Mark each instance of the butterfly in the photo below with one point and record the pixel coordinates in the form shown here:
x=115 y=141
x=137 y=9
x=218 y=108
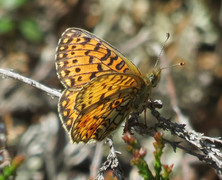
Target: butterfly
x=102 y=87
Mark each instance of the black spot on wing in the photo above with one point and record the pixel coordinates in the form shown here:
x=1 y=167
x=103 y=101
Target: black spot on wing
x=87 y=52
x=90 y=60
x=65 y=55
x=97 y=47
x=120 y=65
x=86 y=40
x=126 y=69
x=99 y=67
x=67 y=72
x=90 y=97
x=77 y=70
x=79 y=78
x=102 y=96
x=93 y=75
x=83 y=106
x=72 y=81
x=112 y=59
x=74 y=61
x=95 y=117
x=69 y=40
x=106 y=55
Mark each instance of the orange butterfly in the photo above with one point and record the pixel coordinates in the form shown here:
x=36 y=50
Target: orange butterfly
x=102 y=86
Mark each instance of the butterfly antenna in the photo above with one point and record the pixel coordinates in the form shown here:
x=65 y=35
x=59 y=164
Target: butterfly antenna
x=161 y=51
x=178 y=64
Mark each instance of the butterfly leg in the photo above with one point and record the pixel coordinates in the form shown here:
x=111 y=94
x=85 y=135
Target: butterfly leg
x=145 y=118
x=126 y=127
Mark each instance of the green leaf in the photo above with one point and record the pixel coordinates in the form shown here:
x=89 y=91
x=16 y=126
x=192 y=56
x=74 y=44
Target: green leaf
x=12 y=4
x=6 y=25
x=30 y=30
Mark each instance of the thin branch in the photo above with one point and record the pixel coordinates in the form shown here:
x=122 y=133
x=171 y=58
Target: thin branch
x=206 y=145
x=111 y=162
x=9 y=73
x=96 y=162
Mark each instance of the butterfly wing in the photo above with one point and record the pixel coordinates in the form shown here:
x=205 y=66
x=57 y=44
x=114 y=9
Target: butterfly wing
x=66 y=109
x=81 y=56
x=105 y=86
x=103 y=104
x=99 y=122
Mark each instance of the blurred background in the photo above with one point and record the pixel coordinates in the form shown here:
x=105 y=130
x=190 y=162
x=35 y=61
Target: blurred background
x=29 y=32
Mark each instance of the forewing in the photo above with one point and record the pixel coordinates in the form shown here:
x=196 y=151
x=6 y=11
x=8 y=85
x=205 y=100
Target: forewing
x=66 y=109
x=81 y=56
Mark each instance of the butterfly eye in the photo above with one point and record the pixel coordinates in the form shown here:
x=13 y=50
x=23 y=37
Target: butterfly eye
x=152 y=79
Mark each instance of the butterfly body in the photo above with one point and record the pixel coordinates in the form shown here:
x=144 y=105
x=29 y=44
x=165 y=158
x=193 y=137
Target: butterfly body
x=102 y=87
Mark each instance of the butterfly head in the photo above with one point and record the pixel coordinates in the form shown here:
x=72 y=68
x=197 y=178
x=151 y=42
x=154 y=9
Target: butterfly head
x=153 y=78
